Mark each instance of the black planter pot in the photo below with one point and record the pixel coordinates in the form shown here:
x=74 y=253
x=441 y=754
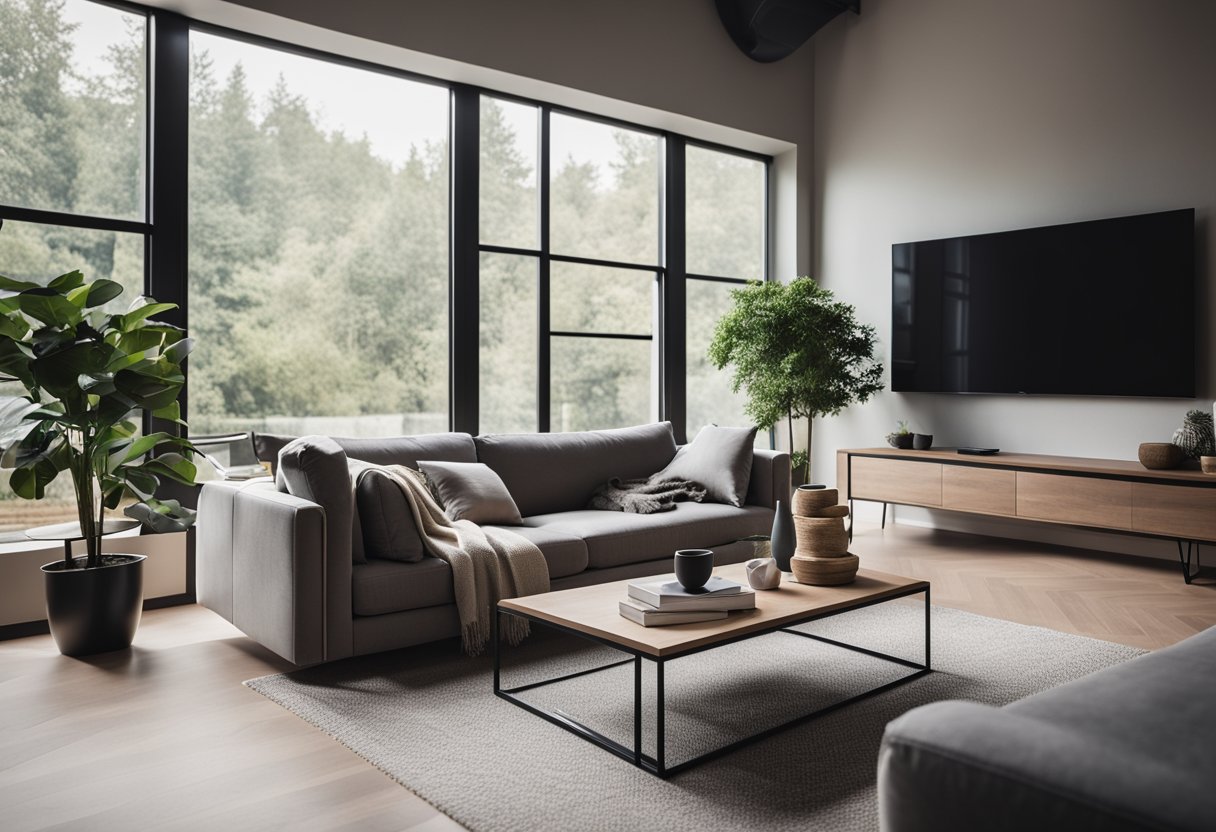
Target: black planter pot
x=95 y=610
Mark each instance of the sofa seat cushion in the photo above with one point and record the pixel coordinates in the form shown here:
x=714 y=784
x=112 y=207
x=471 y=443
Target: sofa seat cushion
x=565 y=553
x=615 y=538
x=383 y=586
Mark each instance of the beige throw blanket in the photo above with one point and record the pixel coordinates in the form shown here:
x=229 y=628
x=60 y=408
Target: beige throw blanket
x=487 y=564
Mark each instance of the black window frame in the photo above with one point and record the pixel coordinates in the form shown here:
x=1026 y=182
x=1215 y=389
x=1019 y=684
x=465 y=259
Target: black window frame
x=165 y=224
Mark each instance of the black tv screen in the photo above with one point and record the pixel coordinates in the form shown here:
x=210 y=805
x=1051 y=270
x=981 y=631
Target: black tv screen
x=1102 y=308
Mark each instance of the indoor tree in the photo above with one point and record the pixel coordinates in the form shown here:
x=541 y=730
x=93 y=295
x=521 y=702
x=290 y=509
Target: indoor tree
x=86 y=373
x=798 y=352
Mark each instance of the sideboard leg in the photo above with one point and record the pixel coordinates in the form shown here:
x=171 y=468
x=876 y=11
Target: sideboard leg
x=884 y=515
x=1191 y=545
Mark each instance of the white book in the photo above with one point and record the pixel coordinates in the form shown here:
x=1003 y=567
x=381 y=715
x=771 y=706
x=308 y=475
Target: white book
x=648 y=616
x=669 y=595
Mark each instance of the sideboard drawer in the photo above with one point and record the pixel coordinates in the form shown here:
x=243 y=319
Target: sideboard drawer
x=1174 y=510
x=983 y=490
x=896 y=481
x=1084 y=501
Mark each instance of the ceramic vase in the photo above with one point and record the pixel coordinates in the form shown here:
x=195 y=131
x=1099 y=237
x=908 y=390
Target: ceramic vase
x=784 y=542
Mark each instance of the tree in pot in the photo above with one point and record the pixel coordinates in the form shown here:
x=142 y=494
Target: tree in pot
x=86 y=373
x=798 y=353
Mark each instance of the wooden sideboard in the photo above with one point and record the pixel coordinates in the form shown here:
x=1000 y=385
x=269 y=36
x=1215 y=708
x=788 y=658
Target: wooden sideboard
x=1106 y=494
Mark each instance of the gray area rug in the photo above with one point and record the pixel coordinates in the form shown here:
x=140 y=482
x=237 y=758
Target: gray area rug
x=427 y=717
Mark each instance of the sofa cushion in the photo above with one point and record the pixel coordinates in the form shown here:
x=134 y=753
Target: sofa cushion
x=565 y=553
x=471 y=491
x=383 y=586
x=314 y=468
x=385 y=520
x=552 y=472
x=719 y=459
x=388 y=450
x=615 y=538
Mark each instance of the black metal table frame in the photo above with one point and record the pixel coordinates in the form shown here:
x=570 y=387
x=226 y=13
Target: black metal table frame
x=657 y=764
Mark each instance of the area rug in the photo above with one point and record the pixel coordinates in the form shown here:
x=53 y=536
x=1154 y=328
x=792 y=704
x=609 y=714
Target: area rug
x=427 y=718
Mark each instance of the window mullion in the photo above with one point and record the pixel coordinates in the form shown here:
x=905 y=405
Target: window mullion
x=543 y=346
x=673 y=293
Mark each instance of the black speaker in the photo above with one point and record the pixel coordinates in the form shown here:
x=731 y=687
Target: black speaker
x=769 y=30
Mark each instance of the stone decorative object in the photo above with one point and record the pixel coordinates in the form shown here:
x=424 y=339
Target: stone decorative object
x=762 y=573
x=1159 y=456
x=782 y=540
x=1196 y=437
x=922 y=441
x=822 y=556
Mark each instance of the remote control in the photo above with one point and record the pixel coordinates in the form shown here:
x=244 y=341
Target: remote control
x=979 y=451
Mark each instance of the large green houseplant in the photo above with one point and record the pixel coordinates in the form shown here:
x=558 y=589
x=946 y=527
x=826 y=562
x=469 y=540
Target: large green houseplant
x=86 y=374
x=798 y=353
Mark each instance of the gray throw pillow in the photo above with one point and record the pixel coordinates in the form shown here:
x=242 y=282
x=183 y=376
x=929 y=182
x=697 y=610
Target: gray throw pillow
x=389 y=531
x=471 y=491
x=719 y=459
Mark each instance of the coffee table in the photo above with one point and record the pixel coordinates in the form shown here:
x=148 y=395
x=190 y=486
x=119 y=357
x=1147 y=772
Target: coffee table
x=591 y=613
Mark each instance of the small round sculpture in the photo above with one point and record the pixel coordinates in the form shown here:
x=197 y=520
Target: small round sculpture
x=1196 y=437
x=1160 y=456
x=762 y=573
x=693 y=567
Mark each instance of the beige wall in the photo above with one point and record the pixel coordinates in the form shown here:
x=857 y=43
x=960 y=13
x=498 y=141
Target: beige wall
x=945 y=117
x=666 y=64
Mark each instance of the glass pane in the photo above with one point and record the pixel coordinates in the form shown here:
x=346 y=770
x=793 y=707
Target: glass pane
x=39 y=253
x=318 y=246
x=710 y=400
x=510 y=209
x=597 y=299
x=725 y=214
x=601 y=383
x=508 y=353
x=604 y=191
x=72 y=108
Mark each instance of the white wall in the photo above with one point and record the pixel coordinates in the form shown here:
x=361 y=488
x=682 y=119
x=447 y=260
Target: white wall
x=938 y=118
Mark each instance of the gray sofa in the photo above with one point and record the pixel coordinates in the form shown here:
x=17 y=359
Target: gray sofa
x=283 y=568
x=1132 y=747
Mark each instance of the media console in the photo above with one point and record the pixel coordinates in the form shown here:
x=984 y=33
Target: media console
x=1106 y=494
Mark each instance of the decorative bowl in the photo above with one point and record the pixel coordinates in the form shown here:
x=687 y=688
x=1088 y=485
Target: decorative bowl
x=1207 y=464
x=693 y=567
x=1159 y=456
x=922 y=441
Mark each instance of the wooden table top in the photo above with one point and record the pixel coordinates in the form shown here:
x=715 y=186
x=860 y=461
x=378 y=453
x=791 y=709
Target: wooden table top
x=594 y=610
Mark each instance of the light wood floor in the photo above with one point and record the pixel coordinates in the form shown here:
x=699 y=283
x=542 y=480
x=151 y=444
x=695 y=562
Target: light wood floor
x=165 y=737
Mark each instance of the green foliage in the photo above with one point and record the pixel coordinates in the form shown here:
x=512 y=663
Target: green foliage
x=797 y=351
x=86 y=372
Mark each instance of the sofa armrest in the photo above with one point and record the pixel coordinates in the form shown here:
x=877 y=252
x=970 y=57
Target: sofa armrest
x=961 y=765
x=262 y=565
x=770 y=480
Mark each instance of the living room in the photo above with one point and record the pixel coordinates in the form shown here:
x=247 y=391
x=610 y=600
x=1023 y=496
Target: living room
x=280 y=170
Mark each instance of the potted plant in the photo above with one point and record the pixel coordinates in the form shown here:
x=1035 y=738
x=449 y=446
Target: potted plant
x=799 y=353
x=901 y=437
x=86 y=374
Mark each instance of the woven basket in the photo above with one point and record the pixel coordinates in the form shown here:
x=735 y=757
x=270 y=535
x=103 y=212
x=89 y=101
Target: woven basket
x=809 y=501
x=832 y=511
x=821 y=537
x=824 y=571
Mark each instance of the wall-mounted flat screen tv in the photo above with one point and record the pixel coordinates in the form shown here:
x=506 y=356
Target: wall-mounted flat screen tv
x=1101 y=308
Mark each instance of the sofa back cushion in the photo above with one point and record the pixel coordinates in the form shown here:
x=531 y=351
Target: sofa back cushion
x=549 y=472
x=388 y=450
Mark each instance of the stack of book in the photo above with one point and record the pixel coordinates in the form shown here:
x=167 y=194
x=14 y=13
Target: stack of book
x=655 y=603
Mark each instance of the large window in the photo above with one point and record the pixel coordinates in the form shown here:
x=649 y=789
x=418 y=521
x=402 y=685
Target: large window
x=726 y=233
x=318 y=222
x=73 y=161
x=318 y=245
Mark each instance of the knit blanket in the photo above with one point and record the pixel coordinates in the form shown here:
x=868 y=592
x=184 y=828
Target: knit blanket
x=487 y=564
x=644 y=496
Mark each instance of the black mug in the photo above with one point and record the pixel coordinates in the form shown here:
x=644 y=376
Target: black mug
x=693 y=567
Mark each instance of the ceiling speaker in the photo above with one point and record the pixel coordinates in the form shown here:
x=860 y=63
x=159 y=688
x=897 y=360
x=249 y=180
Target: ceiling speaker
x=769 y=30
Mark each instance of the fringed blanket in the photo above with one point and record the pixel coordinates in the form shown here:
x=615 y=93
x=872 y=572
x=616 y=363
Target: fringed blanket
x=643 y=496
x=487 y=564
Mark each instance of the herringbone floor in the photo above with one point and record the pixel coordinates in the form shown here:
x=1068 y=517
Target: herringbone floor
x=1138 y=601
